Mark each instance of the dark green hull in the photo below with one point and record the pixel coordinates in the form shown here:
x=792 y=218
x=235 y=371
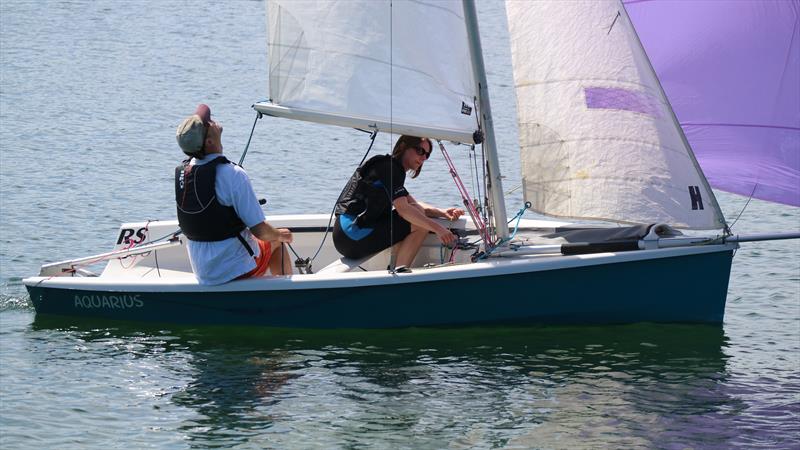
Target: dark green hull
x=688 y=288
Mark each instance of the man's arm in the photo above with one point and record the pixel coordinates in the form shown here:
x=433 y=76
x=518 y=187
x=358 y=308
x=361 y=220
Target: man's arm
x=267 y=232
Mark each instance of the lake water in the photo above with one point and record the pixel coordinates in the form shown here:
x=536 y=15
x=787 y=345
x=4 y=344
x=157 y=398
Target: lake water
x=90 y=95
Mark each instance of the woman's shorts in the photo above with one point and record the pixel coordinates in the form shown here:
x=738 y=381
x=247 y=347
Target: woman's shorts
x=383 y=235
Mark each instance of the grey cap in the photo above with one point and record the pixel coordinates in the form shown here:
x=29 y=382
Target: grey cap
x=191 y=133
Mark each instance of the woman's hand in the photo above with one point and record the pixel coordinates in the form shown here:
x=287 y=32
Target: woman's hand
x=445 y=235
x=453 y=213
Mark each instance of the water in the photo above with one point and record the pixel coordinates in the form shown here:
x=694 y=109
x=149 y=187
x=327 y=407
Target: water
x=90 y=95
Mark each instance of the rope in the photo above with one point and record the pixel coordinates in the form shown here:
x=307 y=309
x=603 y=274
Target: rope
x=476 y=218
x=131 y=245
x=330 y=218
x=283 y=266
x=241 y=160
x=487 y=207
x=729 y=228
x=74 y=267
x=518 y=218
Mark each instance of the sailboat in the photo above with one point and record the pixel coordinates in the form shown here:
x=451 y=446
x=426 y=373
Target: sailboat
x=599 y=140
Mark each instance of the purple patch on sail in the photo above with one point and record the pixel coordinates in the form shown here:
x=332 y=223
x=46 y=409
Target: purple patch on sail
x=622 y=99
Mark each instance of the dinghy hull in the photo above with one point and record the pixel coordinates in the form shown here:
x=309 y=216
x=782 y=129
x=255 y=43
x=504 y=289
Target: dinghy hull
x=680 y=287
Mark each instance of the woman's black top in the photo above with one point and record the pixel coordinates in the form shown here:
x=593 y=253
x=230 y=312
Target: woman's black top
x=369 y=193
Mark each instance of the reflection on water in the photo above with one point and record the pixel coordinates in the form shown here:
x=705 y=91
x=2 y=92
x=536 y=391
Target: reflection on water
x=547 y=387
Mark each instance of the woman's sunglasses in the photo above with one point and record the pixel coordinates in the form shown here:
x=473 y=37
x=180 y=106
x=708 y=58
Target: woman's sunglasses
x=421 y=152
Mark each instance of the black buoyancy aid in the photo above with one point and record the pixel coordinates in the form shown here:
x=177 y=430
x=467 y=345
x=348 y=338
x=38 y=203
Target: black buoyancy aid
x=364 y=197
x=200 y=215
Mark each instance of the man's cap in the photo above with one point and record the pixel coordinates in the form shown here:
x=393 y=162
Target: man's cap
x=191 y=133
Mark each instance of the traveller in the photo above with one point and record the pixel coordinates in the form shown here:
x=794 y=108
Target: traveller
x=376 y=211
x=218 y=212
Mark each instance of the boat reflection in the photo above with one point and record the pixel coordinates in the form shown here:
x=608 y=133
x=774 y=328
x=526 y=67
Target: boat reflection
x=626 y=386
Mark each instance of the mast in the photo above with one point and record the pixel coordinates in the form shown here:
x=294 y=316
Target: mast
x=495 y=185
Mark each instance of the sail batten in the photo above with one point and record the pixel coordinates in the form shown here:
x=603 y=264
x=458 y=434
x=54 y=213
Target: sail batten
x=597 y=136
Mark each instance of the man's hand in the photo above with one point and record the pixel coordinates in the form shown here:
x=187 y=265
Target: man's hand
x=284 y=235
x=267 y=233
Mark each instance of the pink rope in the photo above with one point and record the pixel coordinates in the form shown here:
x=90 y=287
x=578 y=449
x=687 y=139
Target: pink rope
x=473 y=213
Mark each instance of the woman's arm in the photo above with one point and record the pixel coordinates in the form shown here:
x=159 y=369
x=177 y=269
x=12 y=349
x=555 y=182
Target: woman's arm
x=432 y=211
x=415 y=214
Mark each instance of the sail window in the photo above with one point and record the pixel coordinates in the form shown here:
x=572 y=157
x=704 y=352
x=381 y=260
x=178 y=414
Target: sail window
x=621 y=99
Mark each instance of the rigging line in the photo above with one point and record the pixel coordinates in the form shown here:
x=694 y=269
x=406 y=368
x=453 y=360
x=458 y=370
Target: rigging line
x=330 y=218
x=518 y=218
x=172 y=235
x=244 y=153
x=485 y=208
x=462 y=190
x=742 y=211
x=740 y=125
x=478 y=193
x=155 y=256
x=475 y=173
x=486 y=211
x=392 y=255
x=292 y=249
x=614 y=22
x=132 y=244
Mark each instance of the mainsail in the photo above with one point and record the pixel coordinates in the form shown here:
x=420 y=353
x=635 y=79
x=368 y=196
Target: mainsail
x=731 y=70
x=373 y=64
x=598 y=139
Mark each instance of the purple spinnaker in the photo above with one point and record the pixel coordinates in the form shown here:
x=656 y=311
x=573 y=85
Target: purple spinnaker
x=731 y=70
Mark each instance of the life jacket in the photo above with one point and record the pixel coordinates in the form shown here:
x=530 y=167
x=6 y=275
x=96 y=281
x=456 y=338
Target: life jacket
x=365 y=197
x=200 y=215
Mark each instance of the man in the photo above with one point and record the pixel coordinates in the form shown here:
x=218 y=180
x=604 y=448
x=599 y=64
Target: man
x=218 y=211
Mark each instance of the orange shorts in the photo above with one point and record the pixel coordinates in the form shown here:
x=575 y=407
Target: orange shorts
x=262 y=260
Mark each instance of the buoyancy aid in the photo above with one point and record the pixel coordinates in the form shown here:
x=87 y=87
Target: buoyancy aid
x=200 y=215
x=365 y=196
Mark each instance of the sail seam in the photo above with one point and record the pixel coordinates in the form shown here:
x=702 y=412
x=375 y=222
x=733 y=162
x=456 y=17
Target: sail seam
x=376 y=60
x=442 y=8
x=606 y=219
x=650 y=144
x=741 y=125
x=672 y=186
x=582 y=80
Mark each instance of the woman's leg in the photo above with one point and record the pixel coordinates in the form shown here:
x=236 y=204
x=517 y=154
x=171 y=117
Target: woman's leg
x=408 y=248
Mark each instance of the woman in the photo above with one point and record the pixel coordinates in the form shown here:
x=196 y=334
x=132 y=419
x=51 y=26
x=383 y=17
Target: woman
x=375 y=211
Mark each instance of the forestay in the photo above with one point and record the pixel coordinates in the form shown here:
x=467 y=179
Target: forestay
x=401 y=66
x=598 y=139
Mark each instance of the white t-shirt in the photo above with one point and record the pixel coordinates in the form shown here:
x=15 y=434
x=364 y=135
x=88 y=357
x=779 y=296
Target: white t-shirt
x=222 y=261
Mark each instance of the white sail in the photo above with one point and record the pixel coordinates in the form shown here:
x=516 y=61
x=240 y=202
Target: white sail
x=401 y=66
x=598 y=139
